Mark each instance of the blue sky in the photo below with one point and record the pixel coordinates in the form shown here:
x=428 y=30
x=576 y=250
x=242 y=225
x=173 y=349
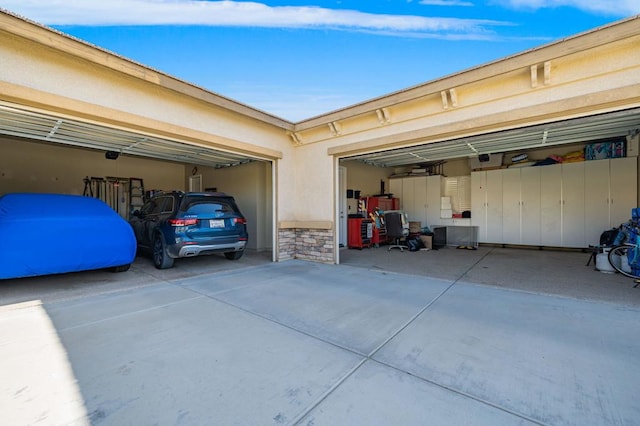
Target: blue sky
x=300 y=58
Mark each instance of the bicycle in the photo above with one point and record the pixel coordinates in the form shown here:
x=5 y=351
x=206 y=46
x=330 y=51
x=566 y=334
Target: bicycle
x=625 y=258
x=624 y=254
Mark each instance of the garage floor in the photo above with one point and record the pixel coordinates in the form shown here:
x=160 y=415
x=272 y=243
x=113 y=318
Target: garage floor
x=554 y=272
x=305 y=343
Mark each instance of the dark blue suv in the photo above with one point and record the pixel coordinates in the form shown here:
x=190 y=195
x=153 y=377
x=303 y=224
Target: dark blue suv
x=185 y=224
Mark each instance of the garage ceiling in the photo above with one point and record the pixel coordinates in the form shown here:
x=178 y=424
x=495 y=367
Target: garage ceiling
x=34 y=125
x=605 y=126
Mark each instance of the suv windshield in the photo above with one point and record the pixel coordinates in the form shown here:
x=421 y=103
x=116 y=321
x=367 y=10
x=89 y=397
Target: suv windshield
x=158 y=205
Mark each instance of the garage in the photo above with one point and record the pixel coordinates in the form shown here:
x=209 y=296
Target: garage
x=455 y=152
x=82 y=113
x=87 y=122
x=52 y=154
x=447 y=185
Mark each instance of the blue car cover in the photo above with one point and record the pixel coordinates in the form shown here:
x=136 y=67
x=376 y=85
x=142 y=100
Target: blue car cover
x=55 y=233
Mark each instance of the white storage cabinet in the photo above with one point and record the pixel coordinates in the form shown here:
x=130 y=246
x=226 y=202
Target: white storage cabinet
x=419 y=197
x=486 y=205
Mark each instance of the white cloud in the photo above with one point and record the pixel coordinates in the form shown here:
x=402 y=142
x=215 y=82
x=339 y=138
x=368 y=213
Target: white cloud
x=237 y=14
x=292 y=103
x=606 y=7
x=445 y=3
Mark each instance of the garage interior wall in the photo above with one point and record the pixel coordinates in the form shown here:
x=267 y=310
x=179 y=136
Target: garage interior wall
x=27 y=166
x=366 y=178
x=251 y=186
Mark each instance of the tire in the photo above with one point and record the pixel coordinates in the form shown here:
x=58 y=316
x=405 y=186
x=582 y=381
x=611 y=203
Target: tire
x=161 y=259
x=121 y=268
x=620 y=251
x=233 y=255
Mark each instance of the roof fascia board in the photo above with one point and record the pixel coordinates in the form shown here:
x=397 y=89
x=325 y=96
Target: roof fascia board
x=91 y=113
x=606 y=101
x=49 y=37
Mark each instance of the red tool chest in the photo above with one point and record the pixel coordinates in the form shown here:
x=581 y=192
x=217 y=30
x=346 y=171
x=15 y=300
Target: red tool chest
x=360 y=232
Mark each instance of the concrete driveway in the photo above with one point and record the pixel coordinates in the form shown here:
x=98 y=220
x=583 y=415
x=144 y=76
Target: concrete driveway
x=313 y=344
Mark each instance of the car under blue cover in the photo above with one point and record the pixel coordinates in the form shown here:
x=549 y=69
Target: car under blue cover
x=56 y=233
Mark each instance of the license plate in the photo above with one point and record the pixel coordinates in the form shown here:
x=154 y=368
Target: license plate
x=216 y=223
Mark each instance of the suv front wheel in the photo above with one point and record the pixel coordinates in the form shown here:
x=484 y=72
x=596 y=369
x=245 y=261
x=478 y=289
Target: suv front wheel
x=161 y=259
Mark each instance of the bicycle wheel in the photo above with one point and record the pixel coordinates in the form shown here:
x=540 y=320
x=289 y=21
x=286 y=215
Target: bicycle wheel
x=616 y=254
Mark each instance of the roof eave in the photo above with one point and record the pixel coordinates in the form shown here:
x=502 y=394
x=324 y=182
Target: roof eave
x=52 y=38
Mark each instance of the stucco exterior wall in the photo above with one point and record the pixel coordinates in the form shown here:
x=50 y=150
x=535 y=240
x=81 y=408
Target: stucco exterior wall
x=494 y=97
x=314 y=184
x=125 y=87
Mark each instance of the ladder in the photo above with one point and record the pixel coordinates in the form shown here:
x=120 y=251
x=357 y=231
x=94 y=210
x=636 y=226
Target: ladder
x=136 y=194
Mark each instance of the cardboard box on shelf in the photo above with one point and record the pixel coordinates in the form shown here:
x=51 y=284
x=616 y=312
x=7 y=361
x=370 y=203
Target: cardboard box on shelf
x=603 y=150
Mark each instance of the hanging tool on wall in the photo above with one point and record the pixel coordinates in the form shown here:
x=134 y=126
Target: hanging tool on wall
x=136 y=194
x=96 y=184
x=88 y=190
x=94 y=187
x=112 y=192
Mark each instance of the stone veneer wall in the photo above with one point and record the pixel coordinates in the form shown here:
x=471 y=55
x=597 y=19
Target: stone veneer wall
x=306 y=244
x=286 y=244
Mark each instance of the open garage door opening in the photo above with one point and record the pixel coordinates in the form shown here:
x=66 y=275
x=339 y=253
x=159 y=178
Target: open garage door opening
x=43 y=153
x=554 y=185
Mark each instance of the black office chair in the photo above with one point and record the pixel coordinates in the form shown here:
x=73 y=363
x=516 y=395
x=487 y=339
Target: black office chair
x=397 y=228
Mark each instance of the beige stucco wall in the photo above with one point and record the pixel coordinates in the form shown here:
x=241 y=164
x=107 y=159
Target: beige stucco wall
x=314 y=185
x=588 y=74
x=124 y=87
